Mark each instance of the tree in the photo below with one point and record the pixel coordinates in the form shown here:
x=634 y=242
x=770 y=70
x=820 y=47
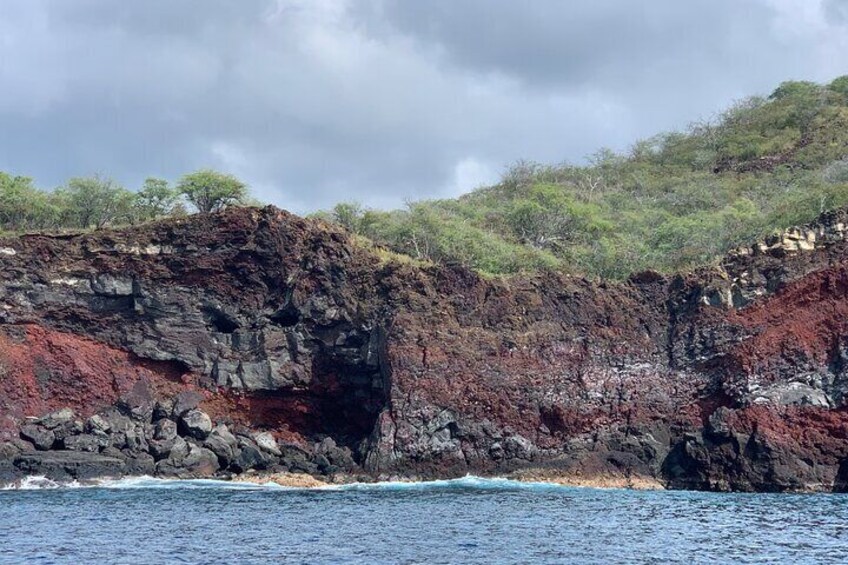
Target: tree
x=96 y=201
x=155 y=199
x=16 y=199
x=840 y=85
x=211 y=191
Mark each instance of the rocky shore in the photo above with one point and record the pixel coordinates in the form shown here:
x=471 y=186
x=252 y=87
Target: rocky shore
x=169 y=439
x=254 y=341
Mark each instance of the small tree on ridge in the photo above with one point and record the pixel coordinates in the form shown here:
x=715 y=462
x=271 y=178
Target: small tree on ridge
x=211 y=191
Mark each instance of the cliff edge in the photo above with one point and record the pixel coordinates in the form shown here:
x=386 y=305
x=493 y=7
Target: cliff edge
x=257 y=340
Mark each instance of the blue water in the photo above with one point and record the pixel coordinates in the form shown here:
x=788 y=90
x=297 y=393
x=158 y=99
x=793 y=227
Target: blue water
x=464 y=521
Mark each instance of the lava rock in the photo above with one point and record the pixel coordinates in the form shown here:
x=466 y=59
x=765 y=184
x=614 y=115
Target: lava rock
x=197 y=462
x=185 y=401
x=97 y=423
x=57 y=418
x=69 y=465
x=338 y=457
x=297 y=460
x=41 y=438
x=251 y=456
x=175 y=448
x=165 y=430
x=195 y=423
x=163 y=409
x=223 y=444
x=139 y=463
x=138 y=403
x=85 y=442
x=266 y=442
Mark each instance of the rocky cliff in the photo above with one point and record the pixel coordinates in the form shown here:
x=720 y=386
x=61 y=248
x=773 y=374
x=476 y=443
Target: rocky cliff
x=254 y=339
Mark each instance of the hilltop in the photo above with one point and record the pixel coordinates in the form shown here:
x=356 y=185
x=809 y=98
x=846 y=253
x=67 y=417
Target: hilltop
x=675 y=201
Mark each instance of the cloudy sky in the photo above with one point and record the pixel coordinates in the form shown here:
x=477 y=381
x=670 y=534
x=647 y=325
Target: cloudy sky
x=380 y=101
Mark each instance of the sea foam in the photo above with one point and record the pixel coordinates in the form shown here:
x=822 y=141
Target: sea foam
x=469 y=482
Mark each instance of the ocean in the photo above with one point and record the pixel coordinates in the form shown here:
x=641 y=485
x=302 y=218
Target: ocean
x=469 y=520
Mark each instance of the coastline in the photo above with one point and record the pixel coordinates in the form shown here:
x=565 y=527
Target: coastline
x=303 y=481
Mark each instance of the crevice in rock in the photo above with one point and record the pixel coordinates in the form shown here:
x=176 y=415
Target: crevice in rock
x=220 y=321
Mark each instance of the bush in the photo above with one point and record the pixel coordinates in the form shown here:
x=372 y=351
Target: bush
x=211 y=191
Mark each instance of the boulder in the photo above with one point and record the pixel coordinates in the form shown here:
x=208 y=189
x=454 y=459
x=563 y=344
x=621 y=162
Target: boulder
x=116 y=421
x=185 y=401
x=223 y=444
x=57 y=418
x=9 y=450
x=69 y=465
x=138 y=464
x=266 y=442
x=163 y=409
x=138 y=403
x=197 y=462
x=68 y=429
x=251 y=456
x=297 y=460
x=98 y=423
x=40 y=437
x=22 y=445
x=338 y=457
x=85 y=442
x=195 y=423
x=175 y=447
x=165 y=430
x=200 y=461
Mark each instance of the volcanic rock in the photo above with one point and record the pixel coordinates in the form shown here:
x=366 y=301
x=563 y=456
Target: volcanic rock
x=195 y=423
x=40 y=437
x=731 y=377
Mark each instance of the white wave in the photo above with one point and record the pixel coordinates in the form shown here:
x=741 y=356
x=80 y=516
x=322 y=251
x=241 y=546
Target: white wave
x=146 y=482
x=37 y=482
x=469 y=482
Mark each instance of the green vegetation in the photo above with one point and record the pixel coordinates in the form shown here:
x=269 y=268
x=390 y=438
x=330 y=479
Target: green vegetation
x=211 y=191
x=674 y=201
x=97 y=202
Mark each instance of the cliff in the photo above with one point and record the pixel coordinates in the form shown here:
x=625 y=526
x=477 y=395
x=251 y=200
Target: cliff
x=254 y=339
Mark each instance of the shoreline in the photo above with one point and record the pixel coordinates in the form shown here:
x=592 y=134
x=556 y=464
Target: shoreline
x=304 y=481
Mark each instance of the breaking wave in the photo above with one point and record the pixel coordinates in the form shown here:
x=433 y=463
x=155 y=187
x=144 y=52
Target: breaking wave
x=468 y=482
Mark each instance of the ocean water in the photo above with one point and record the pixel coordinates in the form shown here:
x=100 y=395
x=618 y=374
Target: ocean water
x=468 y=520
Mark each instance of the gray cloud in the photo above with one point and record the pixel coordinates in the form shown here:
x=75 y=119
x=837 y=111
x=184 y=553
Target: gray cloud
x=837 y=11
x=315 y=101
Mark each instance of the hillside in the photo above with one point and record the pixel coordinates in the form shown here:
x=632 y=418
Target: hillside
x=673 y=202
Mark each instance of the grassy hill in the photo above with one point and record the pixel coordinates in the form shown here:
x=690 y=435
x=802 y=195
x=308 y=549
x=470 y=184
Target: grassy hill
x=675 y=201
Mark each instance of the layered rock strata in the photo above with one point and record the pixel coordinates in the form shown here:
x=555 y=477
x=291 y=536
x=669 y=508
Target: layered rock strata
x=253 y=339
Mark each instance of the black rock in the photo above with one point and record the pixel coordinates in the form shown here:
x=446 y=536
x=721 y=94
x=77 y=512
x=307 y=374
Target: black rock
x=165 y=430
x=85 y=442
x=185 y=401
x=40 y=437
x=197 y=462
x=223 y=444
x=68 y=465
x=138 y=403
x=57 y=418
x=251 y=457
x=136 y=441
x=163 y=449
x=139 y=463
x=195 y=423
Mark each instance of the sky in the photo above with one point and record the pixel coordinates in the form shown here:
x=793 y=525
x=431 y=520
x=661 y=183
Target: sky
x=312 y=102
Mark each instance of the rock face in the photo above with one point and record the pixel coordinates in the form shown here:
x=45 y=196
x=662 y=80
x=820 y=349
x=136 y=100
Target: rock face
x=253 y=339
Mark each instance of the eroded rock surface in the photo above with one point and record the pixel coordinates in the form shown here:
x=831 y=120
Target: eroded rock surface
x=254 y=339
